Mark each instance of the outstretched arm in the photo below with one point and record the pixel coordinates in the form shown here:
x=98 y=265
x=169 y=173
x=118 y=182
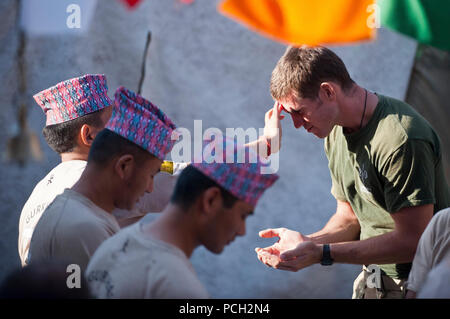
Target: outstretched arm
x=342 y=226
x=397 y=246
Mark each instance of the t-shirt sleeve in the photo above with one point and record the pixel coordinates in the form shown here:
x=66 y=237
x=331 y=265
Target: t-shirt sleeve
x=409 y=176
x=336 y=190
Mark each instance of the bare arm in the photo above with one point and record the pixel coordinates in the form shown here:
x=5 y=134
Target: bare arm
x=343 y=226
x=398 y=246
x=259 y=146
x=272 y=133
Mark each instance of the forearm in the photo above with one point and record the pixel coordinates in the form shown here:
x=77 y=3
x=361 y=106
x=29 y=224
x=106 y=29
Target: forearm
x=338 y=229
x=384 y=249
x=259 y=146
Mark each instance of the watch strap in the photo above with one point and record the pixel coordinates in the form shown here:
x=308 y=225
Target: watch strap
x=326 y=256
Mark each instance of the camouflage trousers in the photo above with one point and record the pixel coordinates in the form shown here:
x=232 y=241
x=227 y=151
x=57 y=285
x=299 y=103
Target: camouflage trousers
x=387 y=287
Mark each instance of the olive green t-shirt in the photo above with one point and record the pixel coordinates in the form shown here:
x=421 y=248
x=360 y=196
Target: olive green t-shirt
x=393 y=162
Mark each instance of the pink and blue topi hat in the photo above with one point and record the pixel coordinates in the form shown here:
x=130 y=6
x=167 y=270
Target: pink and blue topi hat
x=74 y=98
x=141 y=122
x=242 y=176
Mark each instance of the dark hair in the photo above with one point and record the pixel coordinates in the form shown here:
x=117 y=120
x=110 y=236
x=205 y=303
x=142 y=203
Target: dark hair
x=301 y=70
x=108 y=144
x=62 y=137
x=191 y=184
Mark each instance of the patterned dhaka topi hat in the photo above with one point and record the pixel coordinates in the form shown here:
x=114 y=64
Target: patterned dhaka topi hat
x=142 y=123
x=239 y=169
x=74 y=98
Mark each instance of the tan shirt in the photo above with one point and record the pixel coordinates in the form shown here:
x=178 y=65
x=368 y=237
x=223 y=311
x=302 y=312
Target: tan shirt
x=65 y=175
x=434 y=247
x=132 y=265
x=71 y=229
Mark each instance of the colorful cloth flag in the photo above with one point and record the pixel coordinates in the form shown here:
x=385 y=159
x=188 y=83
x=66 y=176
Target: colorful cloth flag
x=428 y=21
x=304 y=21
x=131 y=3
x=339 y=21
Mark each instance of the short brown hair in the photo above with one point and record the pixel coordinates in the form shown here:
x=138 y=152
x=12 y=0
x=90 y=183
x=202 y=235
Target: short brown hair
x=301 y=70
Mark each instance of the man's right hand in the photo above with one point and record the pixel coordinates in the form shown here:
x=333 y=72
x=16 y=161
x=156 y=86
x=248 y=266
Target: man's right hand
x=272 y=127
x=288 y=239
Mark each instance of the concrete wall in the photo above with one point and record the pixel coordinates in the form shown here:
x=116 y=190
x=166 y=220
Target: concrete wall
x=200 y=66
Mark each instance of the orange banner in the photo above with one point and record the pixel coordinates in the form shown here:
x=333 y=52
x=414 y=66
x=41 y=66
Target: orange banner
x=310 y=22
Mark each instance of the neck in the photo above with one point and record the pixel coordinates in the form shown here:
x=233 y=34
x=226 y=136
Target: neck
x=72 y=156
x=94 y=185
x=175 y=227
x=353 y=116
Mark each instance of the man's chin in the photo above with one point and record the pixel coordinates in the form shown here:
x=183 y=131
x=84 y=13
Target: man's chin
x=320 y=134
x=217 y=250
x=316 y=134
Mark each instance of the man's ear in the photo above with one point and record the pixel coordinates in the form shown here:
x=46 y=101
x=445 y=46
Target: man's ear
x=87 y=134
x=211 y=201
x=327 y=92
x=124 y=166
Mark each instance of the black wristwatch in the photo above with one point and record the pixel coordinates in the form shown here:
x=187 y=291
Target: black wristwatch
x=326 y=256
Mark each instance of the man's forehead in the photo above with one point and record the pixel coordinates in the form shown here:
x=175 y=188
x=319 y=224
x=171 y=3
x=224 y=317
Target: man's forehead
x=295 y=103
x=291 y=103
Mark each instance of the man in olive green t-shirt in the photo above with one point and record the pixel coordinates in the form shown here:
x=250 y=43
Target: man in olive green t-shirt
x=386 y=169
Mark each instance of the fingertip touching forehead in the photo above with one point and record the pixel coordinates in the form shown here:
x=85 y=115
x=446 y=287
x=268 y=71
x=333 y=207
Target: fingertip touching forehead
x=301 y=70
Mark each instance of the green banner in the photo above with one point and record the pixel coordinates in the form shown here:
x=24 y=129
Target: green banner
x=428 y=21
